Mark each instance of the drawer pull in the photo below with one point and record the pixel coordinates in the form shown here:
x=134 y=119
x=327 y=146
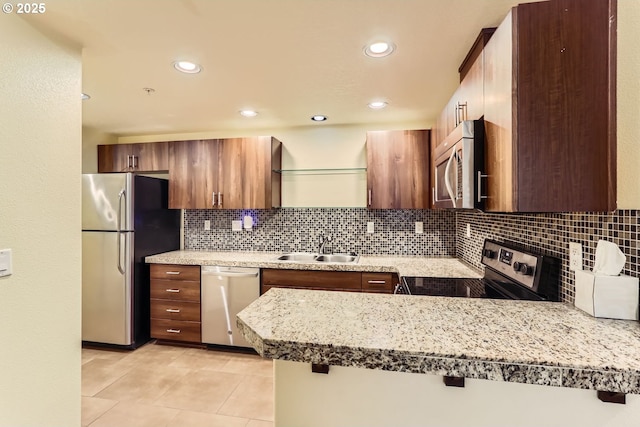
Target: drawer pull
x=173 y=331
x=377 y=282
x=174 y=273
x=173 y=310
x=175 y=291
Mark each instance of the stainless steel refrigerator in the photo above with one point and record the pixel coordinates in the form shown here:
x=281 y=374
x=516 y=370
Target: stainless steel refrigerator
x=124 y=219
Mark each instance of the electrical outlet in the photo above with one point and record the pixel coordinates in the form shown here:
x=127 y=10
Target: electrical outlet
x=575 y=256
x=370 y=227
x=419 y=227
x=207 y=224
x=468 y=230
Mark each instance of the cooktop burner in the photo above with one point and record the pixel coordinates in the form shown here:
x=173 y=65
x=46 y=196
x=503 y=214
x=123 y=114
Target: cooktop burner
x=511 y=272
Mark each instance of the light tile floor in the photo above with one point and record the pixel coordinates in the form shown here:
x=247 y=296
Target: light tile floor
x=161 y=385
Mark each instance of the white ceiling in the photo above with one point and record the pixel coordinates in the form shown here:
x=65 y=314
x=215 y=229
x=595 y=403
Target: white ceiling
x=287 y=59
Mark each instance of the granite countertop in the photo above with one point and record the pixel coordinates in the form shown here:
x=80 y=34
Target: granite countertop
x=545 y=343
x=403 y=265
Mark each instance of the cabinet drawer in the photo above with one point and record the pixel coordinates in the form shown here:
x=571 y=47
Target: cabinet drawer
x=175 y=290
x=175 y=330
x=378 y=282
x=328 y=280
x=175 y=310
x=175 y=272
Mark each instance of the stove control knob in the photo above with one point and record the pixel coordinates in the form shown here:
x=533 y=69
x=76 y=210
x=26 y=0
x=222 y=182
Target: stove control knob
x=488 y=253
x=523 y=268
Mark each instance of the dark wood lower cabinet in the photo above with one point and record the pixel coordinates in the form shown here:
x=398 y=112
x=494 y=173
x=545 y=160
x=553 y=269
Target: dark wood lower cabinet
x=351 y=281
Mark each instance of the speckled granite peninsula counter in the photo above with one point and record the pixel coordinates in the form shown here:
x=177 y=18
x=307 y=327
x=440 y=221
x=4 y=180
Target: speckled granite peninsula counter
x=403 y=265
x=512 y=343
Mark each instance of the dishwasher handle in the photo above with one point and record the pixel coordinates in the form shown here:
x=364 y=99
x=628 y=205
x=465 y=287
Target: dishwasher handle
x=214 y=272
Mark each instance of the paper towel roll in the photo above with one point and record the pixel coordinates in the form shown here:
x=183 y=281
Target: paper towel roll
x=609 y=259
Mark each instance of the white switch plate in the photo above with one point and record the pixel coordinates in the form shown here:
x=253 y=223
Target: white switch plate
x=236 y=225
x=5 y=262
x=207 y=224
x=575 y=256
x=370 y=227
x=419 y=227
x=468 y=230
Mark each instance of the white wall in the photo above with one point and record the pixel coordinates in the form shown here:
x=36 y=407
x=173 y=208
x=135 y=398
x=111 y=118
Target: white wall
x=318 y=146
x=628 y=125
x=40 y=147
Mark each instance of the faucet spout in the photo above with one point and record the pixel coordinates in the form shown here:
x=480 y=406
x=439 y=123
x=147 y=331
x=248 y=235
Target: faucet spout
x=322 y=246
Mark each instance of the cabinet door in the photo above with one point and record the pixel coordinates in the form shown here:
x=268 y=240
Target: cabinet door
x=398 y=169
x=114 y=158
x=193 y=174
x=150 y=157
x=472 y=91
x=498 y=122
x=245 y=173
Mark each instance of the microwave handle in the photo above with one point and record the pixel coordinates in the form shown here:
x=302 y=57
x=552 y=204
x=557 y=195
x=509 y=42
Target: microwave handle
x=446 y=177
x=480 y=196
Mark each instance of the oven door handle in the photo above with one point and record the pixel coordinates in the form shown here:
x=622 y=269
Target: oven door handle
x=447 y=183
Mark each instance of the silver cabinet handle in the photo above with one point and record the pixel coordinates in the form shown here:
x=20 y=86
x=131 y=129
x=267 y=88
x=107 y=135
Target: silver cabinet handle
x=480 y=196
x=433 y=195
x=172 y=310
x=175 y=291
x=135 y=162
x=172 y=272
x=213 y=199
x=369 y=197
x=173 y=331
x=377 y=282
x=219 y=199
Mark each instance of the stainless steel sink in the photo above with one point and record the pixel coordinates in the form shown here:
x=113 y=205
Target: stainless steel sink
x=350 y=257
x=299 y=257
x=344 y=258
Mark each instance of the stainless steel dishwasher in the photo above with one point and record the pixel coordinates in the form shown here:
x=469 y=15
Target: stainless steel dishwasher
x=225 y=292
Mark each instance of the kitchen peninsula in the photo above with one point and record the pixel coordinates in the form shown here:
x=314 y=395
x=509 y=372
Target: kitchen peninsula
x=525 y=363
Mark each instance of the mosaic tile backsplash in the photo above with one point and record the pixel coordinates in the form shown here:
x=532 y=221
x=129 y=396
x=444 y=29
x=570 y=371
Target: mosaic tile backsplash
x=550 y=234
x=298 y=229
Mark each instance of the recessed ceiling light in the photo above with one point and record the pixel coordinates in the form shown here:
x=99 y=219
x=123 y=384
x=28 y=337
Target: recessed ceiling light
x=248 y=113
x=377 y=105
x=187 y=67
x=379 y=49
x=318 y=118
x=85 y=96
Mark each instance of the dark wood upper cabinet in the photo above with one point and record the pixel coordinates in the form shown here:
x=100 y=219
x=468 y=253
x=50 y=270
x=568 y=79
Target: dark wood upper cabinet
x=234 y=173
x=549 y=110
x=140 y=157
x=398 y=169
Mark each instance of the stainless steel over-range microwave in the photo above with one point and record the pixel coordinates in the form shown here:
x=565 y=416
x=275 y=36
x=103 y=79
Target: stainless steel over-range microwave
x=459 y=164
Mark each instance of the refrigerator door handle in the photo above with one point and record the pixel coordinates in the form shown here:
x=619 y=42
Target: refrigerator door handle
x=225 y=304
x=119 y=230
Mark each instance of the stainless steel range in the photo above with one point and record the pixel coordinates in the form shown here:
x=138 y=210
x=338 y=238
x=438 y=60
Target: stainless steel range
x=511 y=272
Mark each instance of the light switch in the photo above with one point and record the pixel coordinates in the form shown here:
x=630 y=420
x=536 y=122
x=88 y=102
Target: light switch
x=5 y=262
x=370 y=227
x=236 y=225
x=207 y=224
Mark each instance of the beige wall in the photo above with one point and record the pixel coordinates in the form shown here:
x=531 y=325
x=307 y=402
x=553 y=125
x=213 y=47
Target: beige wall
x=319 y=146
x=628 y=104
x=91 y=138
x=40 y=146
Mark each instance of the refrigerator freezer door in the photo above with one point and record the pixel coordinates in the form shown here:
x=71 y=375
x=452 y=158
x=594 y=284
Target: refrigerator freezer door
x=107 y=201
x=106 y=293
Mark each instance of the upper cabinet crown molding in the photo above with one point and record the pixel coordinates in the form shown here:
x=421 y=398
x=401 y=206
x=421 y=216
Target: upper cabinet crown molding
x=550 y=108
